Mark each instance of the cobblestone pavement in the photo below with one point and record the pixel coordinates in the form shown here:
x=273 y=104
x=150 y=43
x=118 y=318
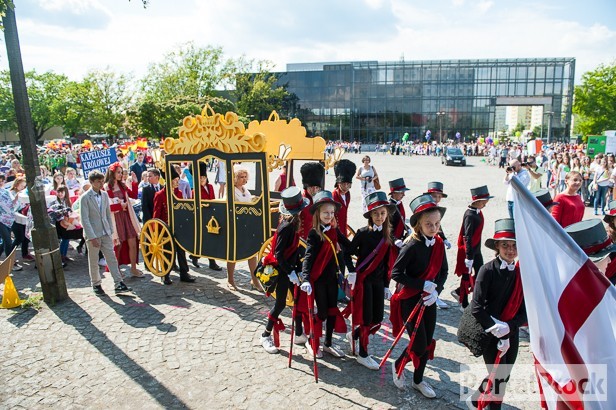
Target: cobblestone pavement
x=197 y=345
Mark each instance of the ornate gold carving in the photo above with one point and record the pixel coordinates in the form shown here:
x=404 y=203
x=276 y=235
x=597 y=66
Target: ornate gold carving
x=213 y=226
x=212 y=130
x=331 y=160
x=184 y=205
x=241 y=210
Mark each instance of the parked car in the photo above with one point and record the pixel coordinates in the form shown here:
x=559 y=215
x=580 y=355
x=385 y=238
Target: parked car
x=453 y=156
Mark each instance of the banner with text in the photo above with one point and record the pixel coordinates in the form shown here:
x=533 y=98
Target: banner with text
x=98 y=160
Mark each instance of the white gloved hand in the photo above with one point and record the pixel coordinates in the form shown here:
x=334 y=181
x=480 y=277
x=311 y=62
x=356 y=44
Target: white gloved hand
x=293 y=278
x=503 y=345
x=499 y=330
x=447 y=244
x=469 y=264
x=399 y=243
x=306 y=287
x=387 y=294
x=429 y=287
x=430 y=299
x=351 y=278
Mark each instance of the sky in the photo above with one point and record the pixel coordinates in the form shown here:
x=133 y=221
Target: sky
x=74 y=36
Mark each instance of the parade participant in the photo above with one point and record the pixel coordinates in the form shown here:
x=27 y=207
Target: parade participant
x=285 y=258
x=148 y=192
x=313 y=176
x=97 y=222
x=67 y=227
x=126 y=225
x=344 y=170
x=397 y=188
x=367 y=175
x=498 y=306
x=420 y=271
x=281 y=182
x=373 y=245
x=543 y=196
x=591 y=236
x=320 y=273
x=469 y=244
x=570 y=208
x=161 y=212
x=435 y=190
x=207 y=194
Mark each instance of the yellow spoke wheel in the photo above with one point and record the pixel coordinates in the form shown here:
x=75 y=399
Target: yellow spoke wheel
x=157 y=247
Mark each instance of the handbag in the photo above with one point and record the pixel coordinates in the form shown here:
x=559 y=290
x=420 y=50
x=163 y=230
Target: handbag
x=471 y=333
x=377 y=184
x=268 y=276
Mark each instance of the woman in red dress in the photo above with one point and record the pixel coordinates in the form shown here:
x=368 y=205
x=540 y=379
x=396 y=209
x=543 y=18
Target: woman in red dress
x=126 y=226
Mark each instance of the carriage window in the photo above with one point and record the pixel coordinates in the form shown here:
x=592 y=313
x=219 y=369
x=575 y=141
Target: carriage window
x=212 y=187
x=247 y=180
x=184 y=170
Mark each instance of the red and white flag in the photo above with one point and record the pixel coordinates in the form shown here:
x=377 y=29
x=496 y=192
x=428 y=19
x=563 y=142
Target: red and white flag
x=571 y=309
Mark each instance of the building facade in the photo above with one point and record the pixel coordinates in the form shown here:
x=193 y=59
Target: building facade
x=374 y=101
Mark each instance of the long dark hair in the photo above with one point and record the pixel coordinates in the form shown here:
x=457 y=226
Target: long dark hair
x=387 y=230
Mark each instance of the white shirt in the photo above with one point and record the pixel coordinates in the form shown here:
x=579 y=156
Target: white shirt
x=242 y=196
x=523 y=176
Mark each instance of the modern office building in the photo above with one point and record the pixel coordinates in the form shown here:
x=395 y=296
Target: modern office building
x=375 y=101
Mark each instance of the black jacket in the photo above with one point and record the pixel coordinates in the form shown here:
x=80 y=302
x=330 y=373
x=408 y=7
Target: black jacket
x=471 y=223
x=413 y=261
x=147 y=202
x=285 y=234
x=363 y=244
x=314 y=243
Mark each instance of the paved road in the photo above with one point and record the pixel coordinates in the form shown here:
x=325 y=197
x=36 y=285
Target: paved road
x=197 y=345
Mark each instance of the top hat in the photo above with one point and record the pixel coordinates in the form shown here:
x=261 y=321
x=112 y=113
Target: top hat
x=397 y=185
x=480 y=194
x=504 y=230
x=421 y=204
x=292 y=201
x=376 y=200
x=174 y=174
x=543 y=195
x=202 y=169
x=611 y=212
x=323 y=197
x=435 y=188
x=591 y=236
x=313 y=174
x=344 y=170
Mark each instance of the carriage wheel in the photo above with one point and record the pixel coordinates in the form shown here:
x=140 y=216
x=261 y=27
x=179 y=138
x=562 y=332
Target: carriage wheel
x=265 y=250
x=157 y=247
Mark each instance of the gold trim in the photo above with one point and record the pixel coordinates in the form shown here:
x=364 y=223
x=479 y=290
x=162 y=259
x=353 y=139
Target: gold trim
x=241 y=210
x=184 y=206
x=213 y=226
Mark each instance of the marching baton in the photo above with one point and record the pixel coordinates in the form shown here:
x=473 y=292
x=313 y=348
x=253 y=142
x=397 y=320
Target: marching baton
x=483 y=403
x=293 y=316
x=314 y=344
x=408 y=319
x=419 y=317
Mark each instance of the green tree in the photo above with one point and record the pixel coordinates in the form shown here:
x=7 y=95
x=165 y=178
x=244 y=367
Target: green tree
x=258 y=93
x=595 y=101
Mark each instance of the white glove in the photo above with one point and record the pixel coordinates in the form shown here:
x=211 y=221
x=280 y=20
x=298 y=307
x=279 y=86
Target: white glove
x=351 y=278
x=293 y=278
x=430 y=299
x=499 y=330
x=469 y=264
x=305 y=287
x=387 y=294
x=448 y=244
x=429 y=287
x=503 y=345
x=399 y=243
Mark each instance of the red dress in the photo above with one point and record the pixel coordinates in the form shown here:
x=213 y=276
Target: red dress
x=570 y=209
x=123 y=224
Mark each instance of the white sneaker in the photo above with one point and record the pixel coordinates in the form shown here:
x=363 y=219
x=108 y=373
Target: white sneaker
x=425 y=389
x=268 y=344
x=333 y=350
x=102 y=262
x=368 y=362
x=300 y=340
x=441 y=304
x=400 y=382
x=311 y=354
x=352 y=344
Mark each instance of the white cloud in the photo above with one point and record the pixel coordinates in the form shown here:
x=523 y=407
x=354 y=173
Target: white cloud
x=484 y=5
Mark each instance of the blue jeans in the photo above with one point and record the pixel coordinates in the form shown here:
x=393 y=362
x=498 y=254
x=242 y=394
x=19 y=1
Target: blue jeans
x=64 y=247
x=600 y=198
x=5 y=234
x=510 y=208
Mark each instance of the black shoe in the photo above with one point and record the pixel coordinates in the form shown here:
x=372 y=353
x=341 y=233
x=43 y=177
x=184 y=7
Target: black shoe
x=187 y=278
x=79 y=249
x=176 y=269
x=64 y=264
x=167 y=280
x=98 y=290
x=122 y=288
x=195 y=262
x=214 y=266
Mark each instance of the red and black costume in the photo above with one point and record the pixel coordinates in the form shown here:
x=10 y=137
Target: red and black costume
x=398 y=219
x=469 y=247
x=498 y=293
x=306 y=217
x=416 y=264
x=124 y=223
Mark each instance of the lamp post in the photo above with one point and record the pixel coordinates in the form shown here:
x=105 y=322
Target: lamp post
x=440 y=125
x=550 y=113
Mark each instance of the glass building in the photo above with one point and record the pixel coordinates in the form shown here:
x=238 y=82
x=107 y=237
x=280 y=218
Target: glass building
x=375 y=101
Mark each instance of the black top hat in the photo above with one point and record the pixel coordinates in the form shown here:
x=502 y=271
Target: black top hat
x=611 y=212
x=376 y=200
x=397 y=185
x=480 y=193
x=174 y=174
x=313 y=174
x=323 y=197
x=591 y=236
x=344 y=170
x=202 y=169
x=543 y=195
x=421 y=204
x=435 y=188
x=504 y=230
x=292 y=201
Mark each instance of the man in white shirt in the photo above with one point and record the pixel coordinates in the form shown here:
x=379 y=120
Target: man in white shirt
x=515 y=168
x=536 y=174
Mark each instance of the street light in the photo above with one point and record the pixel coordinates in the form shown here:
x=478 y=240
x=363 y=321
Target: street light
x=551 y=114
x=440 y=125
